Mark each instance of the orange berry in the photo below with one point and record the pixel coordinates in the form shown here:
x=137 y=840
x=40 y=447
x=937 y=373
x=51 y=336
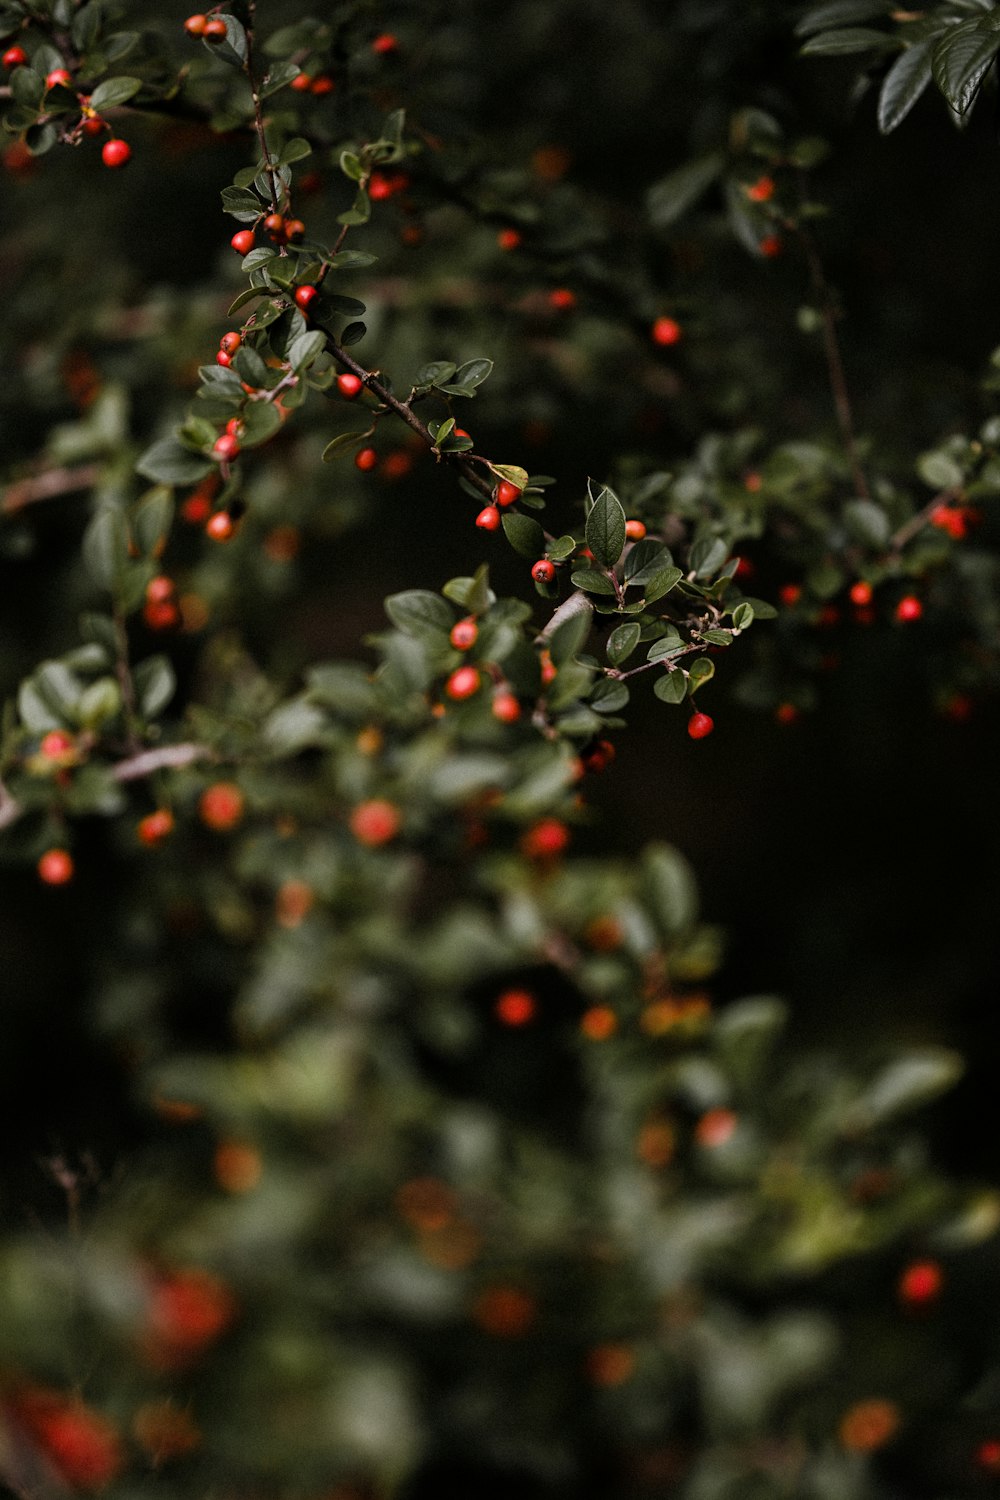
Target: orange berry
x=507 y=493
x=385 y=44
x=715 y=1128
x=221 y=806
x=426 y=1203
x=869 y=1425
x=546 y=839
x=155 y=826
x=220 y=527
x=187 y=1311
x=322 y=85
x=293 y=903
x=509 y=239
x=598 y=1023
x=396 y=465
x=375 y=822
x=543 y=571
x=656 y=1144
x=790 y=594
x=635 y=530
x=215 y=30
x=504 y=1311
x=506 y=708
x=761 y=191
x=195 y=25
x=81 y=1444
x=515 y=1008
x=243 y=241
x=786 y=713
x=610 y=1364
x=56 y=867
x=238 y=1166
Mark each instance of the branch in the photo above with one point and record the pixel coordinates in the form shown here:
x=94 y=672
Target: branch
x=916 y=524
x=164 y=757
x=575 y=604
x=48 y=486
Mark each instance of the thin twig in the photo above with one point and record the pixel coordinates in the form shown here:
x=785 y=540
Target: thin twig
x=48 y=486
x=163 y=757
x=916 y=523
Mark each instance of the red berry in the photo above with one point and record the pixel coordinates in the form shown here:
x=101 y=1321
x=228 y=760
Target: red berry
x=294 y=230
x=116 y=153
x=195 y=25
x=301 y=83
x=396 y=465
x=599 y=756
x=908 y=609
x=786 y=713
x=545 y=840
x=635 y=530
x=761 y=191
x=160 y=588
x=379 y=187
x=55 y=867
x=509 y=239
x=230 y=342
x=93 y=125
x=543 y=571
x=790 y=594
x=350 y=386
x=215 y=30
x=488 y=519
x=274 y=225
x=225 y=447
x=56 y=77
x=243 y=241
x=366 y=460
x=770 y=246
x=221 y=806
x=305 y=296
x=81 y=1445
x=860 y=593
x=223 y=359
x=988 y=1455
x=462 y=683
x=515 y=1007
x=220 y=527
x=155 y=827
x=161 y=615
x=507 y=493
x=56 y=744
x=322 y=85
x=562 y=299
x=188 y=1310
x=375 y=822
x=506 y=708
x=14 y=57
x=384 y=44
x=699 y=725
x=666 y=331
x=921 y=1283
x=464 y=634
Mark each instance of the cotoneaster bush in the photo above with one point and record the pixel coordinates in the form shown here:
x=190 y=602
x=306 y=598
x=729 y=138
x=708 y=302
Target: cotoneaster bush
x=436 y=1166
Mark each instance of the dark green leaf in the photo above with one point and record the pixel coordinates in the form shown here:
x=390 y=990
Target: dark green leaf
x=707 y=556
x=645 y=559
x=671 y=197
x=672 y=688
x=261 y=420
x=622 y=642
x=592 y=581
x=840 y=13
x=250 y=367
x=152 y=518
x=962 y=57
x=417 y=611
x=353 y=334
x=294 y=150
x=848 y=40
x=903 y=84
x=867 y=522
x=114 y=91
x=27 y=87
x=661 y=583
x=341 y=445
x=569 y=636
x=169 y=462
x=609 y=696
x=155 y=685
x=524 y=534
x=699 y=672
x=473 y=372
x=606 y=528
x=105 y=545
x=241 y=204
x=670 y=888
x=433 y=374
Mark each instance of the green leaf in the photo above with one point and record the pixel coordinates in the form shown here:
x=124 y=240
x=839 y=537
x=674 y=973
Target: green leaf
x=605 y=529
x=670 y=889
x=261 y=420
x=105 y=546
x=341 y=445
x=34 y=712
x=962 y=58
x=155 y=685
x=241 y=204
x=707 y=556
x=840 y=13
x=436 y=372
x=114 y=91
x=350 y=165
x=622 y=642
x=700 y=671
x=293 y=726
x=417 y=612
x=151 y=519
x=609 y=696
x=294 y=150
x=352 y=260
x=940 y=470
x=305 y=349
x=278 y=76
x=59 y=687
x=661 y=583
x=99 y=702
x=234 y=49
x=524 y=534
x=592 y=581
x=672 y=688
x=473 y=372
x=27 y=87
x=569 y=636
x=848 y=40
x=513 y=474
x=867 y=522
x=645 y=559
x=905 y=1084
x=762 y=610
x=169 y=462
x=353 y=334
x=903 y=85
x=743 y=615
x=670 y=198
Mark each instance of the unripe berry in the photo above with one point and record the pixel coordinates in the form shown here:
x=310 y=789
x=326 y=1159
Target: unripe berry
x=545 y=840
x=274 y=225
x=366 y=460
x=543 y=571
x=305 y=295
x=666 y=331
x=909 y=609
x=488 y=519
x=56 y=77
x=116 y=153
x=562 y=299
x=230 y=342
x=14 y=57
x=507 y=493
x=699 y=725
x=243 y=241
x=215 y=30
x=155 y=827
x=462 y=683
x=383 y=45
x=506 y=708
x=464 y=633
x=294 y=229
x=515 y=1008
x=221 y=806
x=635 y=530
x=55 y=867
x=375 y=822
x=220 y=527
x=350 y=386
x=509 y=239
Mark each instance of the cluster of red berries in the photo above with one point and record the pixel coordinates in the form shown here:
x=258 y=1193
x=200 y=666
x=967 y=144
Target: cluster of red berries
x=160 y=610
x=208 y=28
x=318 y=84
x=383 y=185
x=280 y=230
